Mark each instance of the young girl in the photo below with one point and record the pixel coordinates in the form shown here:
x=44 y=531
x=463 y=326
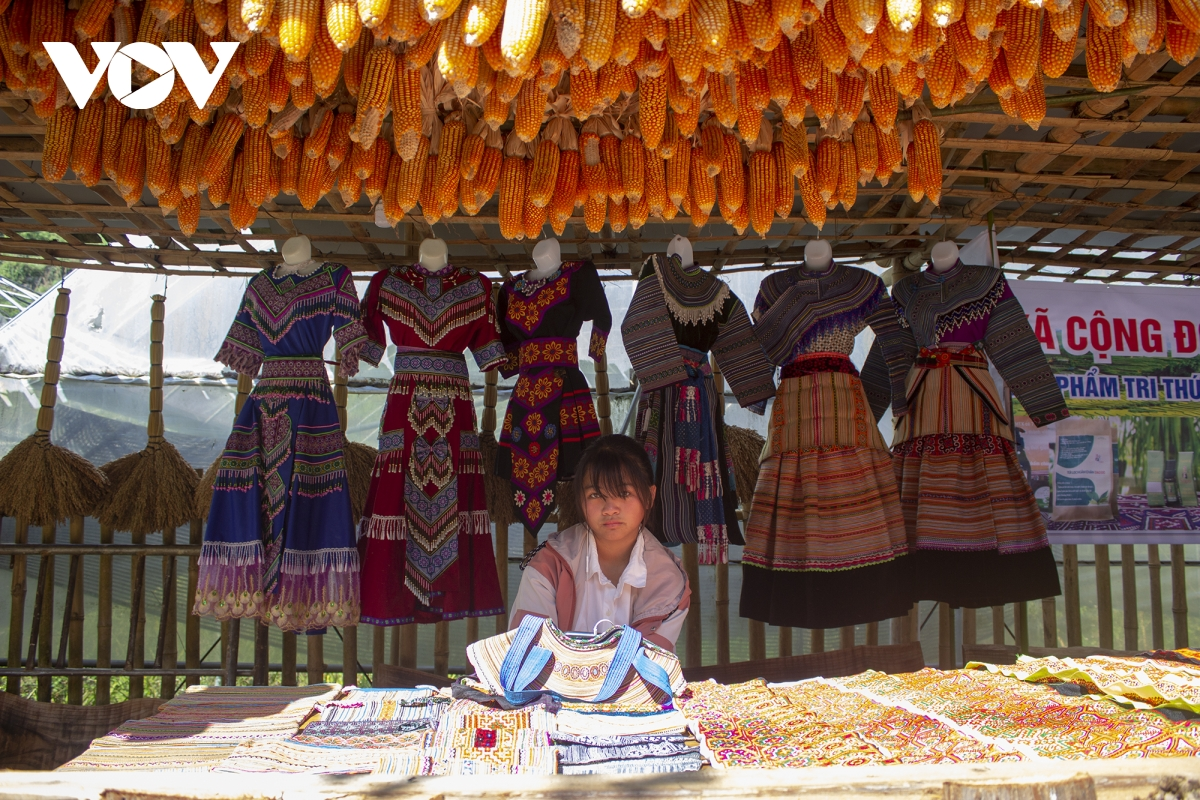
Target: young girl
x=608 y=569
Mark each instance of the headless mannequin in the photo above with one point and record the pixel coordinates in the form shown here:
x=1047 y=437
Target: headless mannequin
x=547 y=257
x=433 y=255
x=818 y=255
x=943 y=257
x=297 y=258
x=679 y=246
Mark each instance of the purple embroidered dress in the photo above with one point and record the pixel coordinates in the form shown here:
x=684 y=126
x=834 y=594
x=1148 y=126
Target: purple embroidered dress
x=280 y=542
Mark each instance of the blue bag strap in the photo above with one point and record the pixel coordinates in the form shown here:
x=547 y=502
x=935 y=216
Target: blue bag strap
x=626 y=654
x=527 y=631
x=653 y=673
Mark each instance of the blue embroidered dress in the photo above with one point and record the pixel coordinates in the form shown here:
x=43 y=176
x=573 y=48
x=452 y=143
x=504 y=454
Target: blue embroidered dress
x=279 y=545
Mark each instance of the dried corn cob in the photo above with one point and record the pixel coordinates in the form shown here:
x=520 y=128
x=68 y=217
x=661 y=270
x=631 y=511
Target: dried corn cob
x=916 y=191
x=639 y=212
x=289 y=170
x=761 y=191
x=374 y=96
x=599 y=30
x=848 y=176
x=685 y=47
x=928 y=150
x=131 y=160
x=656 y=183
x=218 y=150
x=339 y=139
x=712 y=141
x=850 y=97
x=405 y=179
x=939 y=75
x=866 y=150
x=1103 y=55
x=543 y=176
x=189 y=214
x=652 y=109
x=830 y=44
x=785 y=182
x=56 y=147
x=158 y=162
x=1140 y=24
x=1056 y=54
x=810 y=196
x=298 y=23
x=304 y=96
x=194 y=142
x=431 y=206
x=828 y=165
x=720 y=94
x=889 y=155
x=633 y=167
x=533 y=219
x=241 y=213
x=1030 y=104
x=94 y=13
x=1022 y=44
x=512 y=196
x=711 y=19
x=980 y=17
x=824 y=98
x=256 y=14
x=806 y=63
x=521 y=33
x=943 y=13
x=472 y=155
x=1108 y=13
x=731 y=180
x=86 y=144
x=531 y=107
x=1182 y=43
x=421 y=51
x=45 y=25
x=594 y=210
x=258 y=55
x=373 y=13
x=566 y=184
x=904 y=15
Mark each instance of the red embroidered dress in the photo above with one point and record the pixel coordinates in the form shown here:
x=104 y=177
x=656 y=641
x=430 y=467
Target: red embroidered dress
x=425 y=537
x=550 y=417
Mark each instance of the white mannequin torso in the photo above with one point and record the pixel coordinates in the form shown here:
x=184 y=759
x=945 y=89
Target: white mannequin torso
x=943 y=257
x=434 y=254
x=297 y=258
x=818 y=255
x=679 y=246
x=547 y=257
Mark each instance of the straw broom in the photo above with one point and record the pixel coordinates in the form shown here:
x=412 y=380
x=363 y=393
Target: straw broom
x=359 y=458
x=745 y=447
x=40 y=482
x=154 y=489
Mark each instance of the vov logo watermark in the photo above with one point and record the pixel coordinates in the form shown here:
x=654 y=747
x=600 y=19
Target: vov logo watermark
x=167 y=60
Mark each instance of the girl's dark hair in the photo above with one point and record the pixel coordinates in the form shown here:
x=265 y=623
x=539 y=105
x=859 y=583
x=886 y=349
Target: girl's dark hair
x=609 y=464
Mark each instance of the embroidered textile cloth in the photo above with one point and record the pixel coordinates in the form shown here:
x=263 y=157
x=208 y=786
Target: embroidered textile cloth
x=550 y=417
x=279 y=544
x=675 y=319
x=425 y=535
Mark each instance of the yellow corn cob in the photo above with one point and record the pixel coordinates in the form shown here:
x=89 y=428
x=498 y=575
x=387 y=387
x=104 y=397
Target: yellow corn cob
x=656 y=183
x=533 y=219
x=1065 y=23
x=636 y=8
x=677 y=94
x=92 y=15
x=864 y=14
x=593 y=175
x=627 y=38
x=1103 y=55
x=1056 y=54
x=256 y=100
x=785 y=182
x=594 y=210
x=449 y=156
x=374 y=95
x=611 y=81
x=256 y=14
x=712 y=141
x=711 y=20
x=282 y=142
x=1022 y=43
x=968 y=51
x=1160 y=28
x=738 y=219
x=507 y=86
x=566 y=184
x=512 y=197
x=889 y=155
x=406 y=111
x=943 y=13
x=806 y=63
x=866 y=151
x=639 y=212
x=390 y=190
x=218 y=150
x=342 y=23
x=1140 y=24
x=46 y=25
x=824 y=98
x=980 y=16
x=780 y=82
x=794 y=139
x=481 y=20
x=633 y=167
x=760 y=196
x=458 y=63
x=420 y=52
x=1030 y=104
x=928 y=150
x=131 y=161
x=403 y=23
x=190 y=165
x=1108 y=13
x=405 y=178
x=916 y=191
x=810 y=196
x=258 y=55
x=349 y=186
x=472 y=154
x=234 y=24
x=298 y=23
x=376 y=181
x=521 y=32
x=373 y=13
x=599 y=30
x=749 y=118
x=731 y=184
x=86 y=144
x=56 y=147
x=828 y=167
x=434 y=10
x=338 y=147
x=362 y=162
x=1182 y=43
x=652 y=109
x=531 y=106
x=670 y=139
x=876 y=56
x=830 y=44
x=1187 y=12
x=289 y=171
x=789 y=16
x=904 y=15
x=309 y=182
x=685 y=47
x=495 y=110
x=256 y=158
x=721 y=96
x=850 y=97
x=324 y=64
x=158 y=161
x=885 y=102
x=431 y=205
x=304 y=96
x=278 y=88
x=999 y=79
x=543 y=175
x=550 y=55
x=939 y=75
x=610 y=156
x=848 y=172
x=317 y=140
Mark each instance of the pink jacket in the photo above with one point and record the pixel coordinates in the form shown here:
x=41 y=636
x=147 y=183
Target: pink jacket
x=563 y=555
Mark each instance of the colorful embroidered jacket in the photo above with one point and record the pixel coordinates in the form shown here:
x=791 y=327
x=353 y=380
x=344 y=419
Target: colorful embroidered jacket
x=671 y=308
x=798 y=312
x=555 y=308
x=449 y=310
x=308 y=307
x=974 y=305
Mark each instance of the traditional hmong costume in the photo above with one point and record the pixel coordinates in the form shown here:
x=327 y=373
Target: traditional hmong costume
x=550 y=417
x=976 y=534
x=279 y=544
x=825 y=541
x=425 y=536
x=675 y=318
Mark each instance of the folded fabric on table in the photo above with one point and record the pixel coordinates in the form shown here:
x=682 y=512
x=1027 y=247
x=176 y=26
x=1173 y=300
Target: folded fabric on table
x=295 y=758
x=380 y=705
x=171 y=756
x=360 y=736
x=582 y=723
x=561 y=738
x=688 y=761
x=472 y=739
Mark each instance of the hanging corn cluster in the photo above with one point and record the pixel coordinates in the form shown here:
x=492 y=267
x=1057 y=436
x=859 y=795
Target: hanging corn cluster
x=622 y=110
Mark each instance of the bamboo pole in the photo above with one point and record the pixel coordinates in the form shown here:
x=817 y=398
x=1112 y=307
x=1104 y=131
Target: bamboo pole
x=289 y=646
x=1104 y=615
x=168 y=629
x=970 y=627
x=722 y=570
x=378 y=648
x=350 y=632
x=191 y=631
x=816 y=638
x=394 y=646
x=316 y=659
x=1021 y=626
x=603 y=403
x=441 y=648
x=722 y=603
x=75 y=604
x=408 y=645
x=694 y=651
x=899 y=631
x=262 y=654
x=104 y=608
x=16 y=619
x=1179 y=603
x=46 y=633
x=1071 y=595
x=872 y=633
x=997 y=624
x=472 y=630
x=135 y=652
x=1156 y=599
x=1129 y=596
x=947 y=659
x=785 y=642
x=846 y=637
x=1049 y=622
x=758 y=640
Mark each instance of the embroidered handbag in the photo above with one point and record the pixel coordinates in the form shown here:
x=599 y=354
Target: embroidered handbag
x=617 y=666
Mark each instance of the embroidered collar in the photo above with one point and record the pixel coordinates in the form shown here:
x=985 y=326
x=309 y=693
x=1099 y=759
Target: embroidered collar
x=805 y=272
x=296 y=277
x=692 y=298
x=431 y=273
x=939 y=277
x=530 y=286
x=930 y=303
